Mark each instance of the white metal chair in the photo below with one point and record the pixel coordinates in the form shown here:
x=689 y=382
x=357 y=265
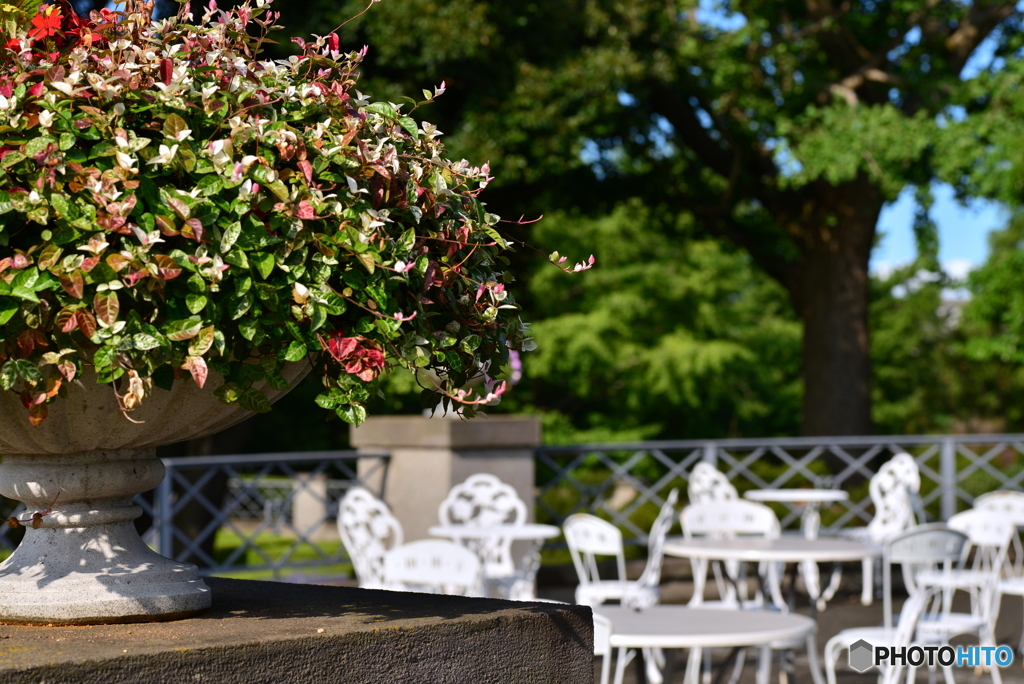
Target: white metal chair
x=891 y=489
x=433 y=566
x=730 y=518
x=368 y=530
x=589 y=537
x=484 y=500
x=1011 y=506
x=708 y=484
x=916 y=550
x=726 y=519
x=988 y=535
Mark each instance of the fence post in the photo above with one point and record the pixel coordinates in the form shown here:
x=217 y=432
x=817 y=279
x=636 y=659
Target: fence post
x=164 y=520
x=710 y=454
x=947 y=474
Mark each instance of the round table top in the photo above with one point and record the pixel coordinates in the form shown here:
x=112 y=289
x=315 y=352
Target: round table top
x=684 y=627
x=797 y=495
x=785 y=549
x=525 y=531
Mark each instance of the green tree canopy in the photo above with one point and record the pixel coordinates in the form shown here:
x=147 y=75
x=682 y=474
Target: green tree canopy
x=783 y=126
x=667 y=339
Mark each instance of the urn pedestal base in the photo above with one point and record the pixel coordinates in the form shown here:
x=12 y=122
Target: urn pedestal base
x=86 y=564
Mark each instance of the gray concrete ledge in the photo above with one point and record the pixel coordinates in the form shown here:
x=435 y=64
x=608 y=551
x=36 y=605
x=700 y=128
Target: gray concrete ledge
x=271 y=632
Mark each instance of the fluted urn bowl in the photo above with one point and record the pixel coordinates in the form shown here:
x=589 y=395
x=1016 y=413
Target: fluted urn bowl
x=86 y=563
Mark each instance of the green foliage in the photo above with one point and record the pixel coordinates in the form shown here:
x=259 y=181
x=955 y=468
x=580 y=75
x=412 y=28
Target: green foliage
x=997 y=303
x=678 y=338
x=918 y=386
x=172 y=202
x=784 y=132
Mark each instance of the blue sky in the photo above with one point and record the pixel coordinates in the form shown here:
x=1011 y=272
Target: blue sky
x=963 y=231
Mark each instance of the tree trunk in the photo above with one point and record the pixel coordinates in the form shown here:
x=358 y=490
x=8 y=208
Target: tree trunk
x=830 y=290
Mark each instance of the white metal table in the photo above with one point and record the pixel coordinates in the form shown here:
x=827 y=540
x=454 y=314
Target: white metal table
x=683 y=627
x=810 y=500
x=531 y=532
x=785 y=549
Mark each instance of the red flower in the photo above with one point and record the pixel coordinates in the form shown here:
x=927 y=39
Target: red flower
x=361 y=357
x=47 y=22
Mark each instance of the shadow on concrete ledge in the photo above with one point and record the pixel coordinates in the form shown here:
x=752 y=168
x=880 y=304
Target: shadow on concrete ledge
x=285 y=633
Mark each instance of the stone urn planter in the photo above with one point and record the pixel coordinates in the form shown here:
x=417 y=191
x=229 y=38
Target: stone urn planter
x=177 y=204
x=86 y=563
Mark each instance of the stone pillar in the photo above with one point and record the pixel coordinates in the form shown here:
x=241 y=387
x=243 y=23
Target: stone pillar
x=309 y=507
x=431 y=455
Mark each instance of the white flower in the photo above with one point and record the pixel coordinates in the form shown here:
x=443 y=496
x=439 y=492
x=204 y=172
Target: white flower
x=166 y=155
x=46 y=118
x=4 y=102
x=183 y=134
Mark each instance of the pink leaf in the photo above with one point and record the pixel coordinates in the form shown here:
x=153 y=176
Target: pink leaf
x=196 y=365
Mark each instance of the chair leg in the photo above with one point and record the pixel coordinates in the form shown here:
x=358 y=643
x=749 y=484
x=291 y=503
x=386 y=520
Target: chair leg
x=764 y=665
x=1020 y=646
x=693 y=662
x=812 y=660
x=831 y=656
x=812 y=580
x=996 y=677
x=833 y=584
x=654 y=660
x=737 y=668
x=867 y=592
x=625 y=655
x=606 y=667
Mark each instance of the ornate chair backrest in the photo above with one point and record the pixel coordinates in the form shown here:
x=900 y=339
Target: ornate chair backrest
x=1011 y=506
x=708 y=484
x=923 y=547
x=368 y=531
x=989 y=535
x=651 y=576
x=483 y=500
x=435 y=566
x=891 y=489
x=589 y=537
x=723 y=520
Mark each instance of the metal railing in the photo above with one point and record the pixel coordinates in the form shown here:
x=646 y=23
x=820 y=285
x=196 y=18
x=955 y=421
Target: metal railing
x=275 y=513
x=266 y=514
x=627 y=483
x=296 y=495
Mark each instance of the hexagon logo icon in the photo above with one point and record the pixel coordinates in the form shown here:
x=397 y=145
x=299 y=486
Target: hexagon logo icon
x=861 y=655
